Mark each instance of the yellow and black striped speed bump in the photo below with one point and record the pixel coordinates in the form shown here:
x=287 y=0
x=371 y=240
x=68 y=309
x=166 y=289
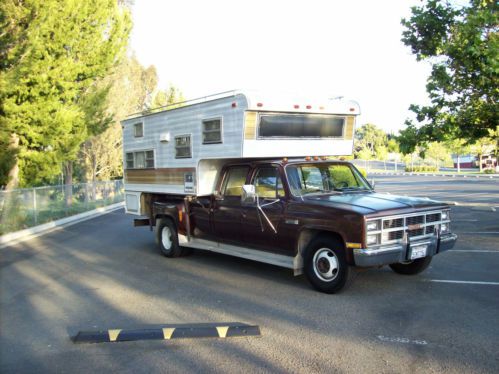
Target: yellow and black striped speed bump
x=167 y=332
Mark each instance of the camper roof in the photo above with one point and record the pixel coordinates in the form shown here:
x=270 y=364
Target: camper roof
x=272 y=101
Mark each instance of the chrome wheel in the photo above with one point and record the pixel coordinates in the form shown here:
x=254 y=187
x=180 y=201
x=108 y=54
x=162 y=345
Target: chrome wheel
x=326 y=265
x=166 y=237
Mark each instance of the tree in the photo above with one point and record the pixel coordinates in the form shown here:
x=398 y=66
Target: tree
x=369 y=139
x=458 y=147
x=131 y=88
x=462 y=44
x=172 y=95
x=52 y=53
x=437 y=152
x=486 y=145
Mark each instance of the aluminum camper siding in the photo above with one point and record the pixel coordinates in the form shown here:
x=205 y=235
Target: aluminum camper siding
x=167 y=175
x=188 y=121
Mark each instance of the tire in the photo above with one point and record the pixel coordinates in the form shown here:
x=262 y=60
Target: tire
x=167 y=238
x=326 y=267
x=412 y=267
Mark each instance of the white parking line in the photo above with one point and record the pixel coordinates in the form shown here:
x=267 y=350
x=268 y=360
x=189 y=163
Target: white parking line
x=462 y=282
x=396 y=339
x=474 y=250
x=480 y=232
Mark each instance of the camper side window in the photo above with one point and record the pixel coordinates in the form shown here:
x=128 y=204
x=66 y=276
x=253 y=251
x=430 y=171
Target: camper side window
x=212 y=131
x=183 y=146
x=140 y=160
x=138 y=130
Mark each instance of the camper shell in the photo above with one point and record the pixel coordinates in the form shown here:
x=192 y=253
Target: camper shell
x=181 y=148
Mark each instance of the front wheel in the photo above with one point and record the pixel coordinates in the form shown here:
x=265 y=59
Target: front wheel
x=325 y=265
x=412 y=267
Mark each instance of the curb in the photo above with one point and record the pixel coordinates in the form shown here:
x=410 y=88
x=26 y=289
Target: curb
x=468 y=176
x=18 y=236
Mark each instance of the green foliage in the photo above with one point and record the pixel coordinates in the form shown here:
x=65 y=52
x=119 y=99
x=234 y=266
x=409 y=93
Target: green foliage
x=362 y=171
x=370 y=141
x=52 y=54
x=462 y=43
x=421 y=169
x=168 y=97
x=131 y=87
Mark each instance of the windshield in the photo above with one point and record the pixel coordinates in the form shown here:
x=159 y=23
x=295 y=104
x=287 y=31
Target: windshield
x=325 y=177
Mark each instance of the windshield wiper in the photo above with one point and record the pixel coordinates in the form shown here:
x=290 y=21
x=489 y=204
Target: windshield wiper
x=335 y=191
x=352 y=188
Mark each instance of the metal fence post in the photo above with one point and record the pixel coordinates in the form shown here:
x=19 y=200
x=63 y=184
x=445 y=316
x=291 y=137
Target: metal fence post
x=35 y=211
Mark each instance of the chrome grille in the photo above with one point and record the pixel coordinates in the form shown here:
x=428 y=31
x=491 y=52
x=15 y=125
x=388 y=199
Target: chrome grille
x=417 y=225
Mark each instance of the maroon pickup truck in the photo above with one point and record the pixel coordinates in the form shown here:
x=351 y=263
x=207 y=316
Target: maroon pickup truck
x=321 y=218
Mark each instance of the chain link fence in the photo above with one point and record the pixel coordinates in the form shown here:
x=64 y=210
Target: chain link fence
x=28 y=207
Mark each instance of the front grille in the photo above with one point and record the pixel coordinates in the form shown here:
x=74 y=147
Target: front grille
x=417 y=226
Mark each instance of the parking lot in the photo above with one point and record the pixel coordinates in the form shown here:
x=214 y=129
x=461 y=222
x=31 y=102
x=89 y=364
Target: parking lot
x=105 y=274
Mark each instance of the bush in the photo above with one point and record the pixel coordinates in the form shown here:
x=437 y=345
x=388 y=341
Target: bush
x=362 y=171
x=421 y=169
x=489 y=171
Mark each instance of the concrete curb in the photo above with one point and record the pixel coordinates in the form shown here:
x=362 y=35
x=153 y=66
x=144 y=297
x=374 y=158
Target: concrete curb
x=18 y=236
x=467 y=176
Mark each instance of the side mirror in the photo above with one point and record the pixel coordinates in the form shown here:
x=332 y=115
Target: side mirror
x=249 y=194
x=218 y=195
x=372 y=183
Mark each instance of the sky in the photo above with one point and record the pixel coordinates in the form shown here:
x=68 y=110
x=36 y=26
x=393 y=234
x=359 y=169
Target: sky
x=349 y=48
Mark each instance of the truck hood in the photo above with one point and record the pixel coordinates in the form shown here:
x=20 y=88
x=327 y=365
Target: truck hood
x=373 y=202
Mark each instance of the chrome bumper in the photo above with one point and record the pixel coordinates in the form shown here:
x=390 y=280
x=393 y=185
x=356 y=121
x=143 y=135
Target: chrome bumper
x=391 y=254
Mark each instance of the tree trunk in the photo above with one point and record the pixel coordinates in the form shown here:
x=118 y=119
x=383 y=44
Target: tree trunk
x=13 y=177
x=68 y=182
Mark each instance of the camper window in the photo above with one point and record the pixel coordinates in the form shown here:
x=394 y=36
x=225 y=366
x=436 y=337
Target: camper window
x=138 y=130
x=183 y=146
x=300 y=126
x=212 y=131
x=140 y=160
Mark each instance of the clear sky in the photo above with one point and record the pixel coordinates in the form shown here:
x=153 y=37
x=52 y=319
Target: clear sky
x=350 y=48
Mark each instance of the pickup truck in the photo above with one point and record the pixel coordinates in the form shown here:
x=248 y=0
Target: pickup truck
x=316 y=216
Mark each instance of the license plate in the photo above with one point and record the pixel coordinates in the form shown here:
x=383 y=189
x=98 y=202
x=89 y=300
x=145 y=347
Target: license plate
x=418 y=252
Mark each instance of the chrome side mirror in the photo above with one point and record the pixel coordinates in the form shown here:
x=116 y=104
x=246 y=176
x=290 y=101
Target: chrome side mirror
x=249 y=194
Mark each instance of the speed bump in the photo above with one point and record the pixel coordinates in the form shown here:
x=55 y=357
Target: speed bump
x=223 y=330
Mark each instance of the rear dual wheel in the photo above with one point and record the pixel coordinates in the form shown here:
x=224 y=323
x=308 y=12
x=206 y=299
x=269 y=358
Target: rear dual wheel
x=167 y=239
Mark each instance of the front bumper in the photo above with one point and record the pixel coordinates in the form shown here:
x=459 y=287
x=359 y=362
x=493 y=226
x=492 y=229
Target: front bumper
x=391 y=254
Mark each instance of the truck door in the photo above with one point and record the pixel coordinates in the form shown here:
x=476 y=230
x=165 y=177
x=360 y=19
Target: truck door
x=227 y=209
x=260 y=223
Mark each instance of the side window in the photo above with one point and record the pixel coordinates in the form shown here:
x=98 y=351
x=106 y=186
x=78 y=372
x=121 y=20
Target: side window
x=138 y=130
x=212 y=131
x=268 y=183
x=140 y=160
x=234 y=181
x=183 y=146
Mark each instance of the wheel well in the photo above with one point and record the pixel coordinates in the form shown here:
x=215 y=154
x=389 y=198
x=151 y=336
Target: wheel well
x=165 y=216
x=307 y=235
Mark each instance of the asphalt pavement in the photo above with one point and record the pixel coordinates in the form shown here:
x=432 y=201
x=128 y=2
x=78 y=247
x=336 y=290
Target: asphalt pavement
x=105 y=274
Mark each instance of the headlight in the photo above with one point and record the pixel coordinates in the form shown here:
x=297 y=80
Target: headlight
x=373 y=225
x=372 y=239
x=445 y=215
